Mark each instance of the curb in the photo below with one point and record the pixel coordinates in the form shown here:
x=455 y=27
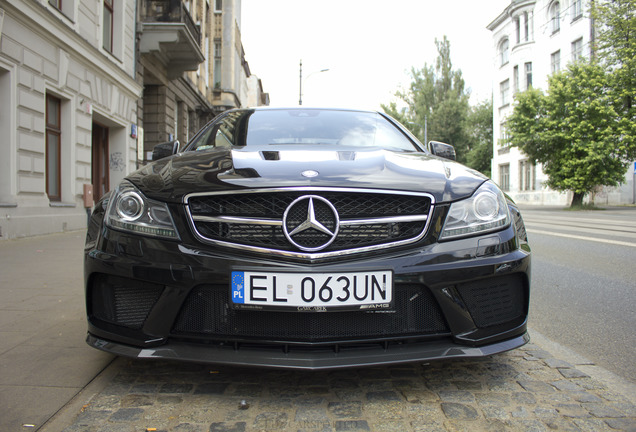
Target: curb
x=610 y=379
x=67 y=414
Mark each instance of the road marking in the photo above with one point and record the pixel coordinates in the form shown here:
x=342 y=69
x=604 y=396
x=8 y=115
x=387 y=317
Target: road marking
x=572 y=236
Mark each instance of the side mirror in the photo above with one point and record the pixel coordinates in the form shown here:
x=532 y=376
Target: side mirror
x=443 y=150
x=163 y=150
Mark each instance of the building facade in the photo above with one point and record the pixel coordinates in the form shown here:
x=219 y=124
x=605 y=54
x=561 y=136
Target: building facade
x=192 y=65
x=67 y=82
x=531 y=40
x=89 y=87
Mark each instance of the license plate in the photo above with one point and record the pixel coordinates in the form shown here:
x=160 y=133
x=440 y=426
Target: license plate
x=312 y=292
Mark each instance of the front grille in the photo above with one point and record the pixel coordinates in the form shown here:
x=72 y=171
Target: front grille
x=206 y=313
x=257 y=220
x=494 y=301
x=122 y=301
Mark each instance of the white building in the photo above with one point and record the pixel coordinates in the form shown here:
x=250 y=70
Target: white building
x=532 y=39
x=69 y=106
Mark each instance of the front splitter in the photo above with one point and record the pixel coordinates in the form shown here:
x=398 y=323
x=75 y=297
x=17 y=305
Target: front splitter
x=309 y=359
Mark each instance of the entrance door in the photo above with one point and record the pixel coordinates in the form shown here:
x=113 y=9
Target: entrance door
x=100 y=161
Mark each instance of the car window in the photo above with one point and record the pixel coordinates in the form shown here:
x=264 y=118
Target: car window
x=228 y=132
x=325 y=127
x=303 y=127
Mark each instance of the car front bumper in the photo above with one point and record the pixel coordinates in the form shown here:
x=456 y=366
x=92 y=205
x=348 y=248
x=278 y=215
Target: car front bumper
x=445 y=270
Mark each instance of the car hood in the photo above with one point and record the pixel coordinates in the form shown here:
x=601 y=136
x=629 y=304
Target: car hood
x=225 y=169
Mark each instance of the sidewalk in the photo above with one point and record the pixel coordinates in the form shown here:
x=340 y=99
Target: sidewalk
x=49 y=377
x=44 y=361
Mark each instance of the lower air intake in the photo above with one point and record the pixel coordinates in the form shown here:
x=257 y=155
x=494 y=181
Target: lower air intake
x=206 y=312
x=495 y=301
x=122 y=301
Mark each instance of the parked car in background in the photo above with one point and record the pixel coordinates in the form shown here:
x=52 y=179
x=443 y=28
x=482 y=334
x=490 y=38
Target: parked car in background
x=306 y=238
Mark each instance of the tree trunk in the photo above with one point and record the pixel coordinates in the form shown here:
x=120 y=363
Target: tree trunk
x=577 y=199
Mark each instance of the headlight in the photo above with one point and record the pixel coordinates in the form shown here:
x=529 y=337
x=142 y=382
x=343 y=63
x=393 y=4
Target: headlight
x=129 y=210
x=485 y=211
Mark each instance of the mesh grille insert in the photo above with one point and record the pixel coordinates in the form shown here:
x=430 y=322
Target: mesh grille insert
x=271 y=206
x=494 y=301
x=206 y=312
x=123 y=301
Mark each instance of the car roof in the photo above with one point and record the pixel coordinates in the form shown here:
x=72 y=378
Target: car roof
x=301 y=108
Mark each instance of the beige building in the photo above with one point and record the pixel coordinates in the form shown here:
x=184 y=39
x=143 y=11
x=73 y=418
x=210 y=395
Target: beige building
x=67 y=82
x=90 y=86
x=193 y=66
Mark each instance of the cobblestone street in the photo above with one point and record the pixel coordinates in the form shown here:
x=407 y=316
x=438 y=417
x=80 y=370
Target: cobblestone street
x=524 y=390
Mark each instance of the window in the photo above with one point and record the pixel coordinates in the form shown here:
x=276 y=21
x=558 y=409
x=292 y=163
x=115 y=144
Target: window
x=504 y=91
x=66 y=7
x=504 y=177
x=526 y=27
x=555 y=17
x=108 y=26
x=7 y=113
x=504 y=52
x=528 y=69
x=555 y=62
x=577 y=50
x=217 y=64
x=207 y=61
x=53 y=148
x=517 y=30
x=218 y=6
x=526 y=176
x=504 y=138
x=515 y=79
x=577 y=9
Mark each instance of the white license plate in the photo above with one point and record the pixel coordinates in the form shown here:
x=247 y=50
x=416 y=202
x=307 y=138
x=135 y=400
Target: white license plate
x=312 y=292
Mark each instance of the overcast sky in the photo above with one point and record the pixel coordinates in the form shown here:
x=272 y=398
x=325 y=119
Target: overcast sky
x=369 y=46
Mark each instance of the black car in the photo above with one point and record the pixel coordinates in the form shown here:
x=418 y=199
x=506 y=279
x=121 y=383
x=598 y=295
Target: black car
x=306 y=238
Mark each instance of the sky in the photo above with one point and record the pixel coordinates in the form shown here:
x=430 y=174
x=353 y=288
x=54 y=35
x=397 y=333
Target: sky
x=369 y=47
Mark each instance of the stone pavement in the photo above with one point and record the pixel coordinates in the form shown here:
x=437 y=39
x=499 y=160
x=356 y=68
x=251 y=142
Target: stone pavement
x=50 y=380
x=524 y=390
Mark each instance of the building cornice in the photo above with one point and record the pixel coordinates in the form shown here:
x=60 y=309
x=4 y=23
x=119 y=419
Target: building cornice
x=509 y=11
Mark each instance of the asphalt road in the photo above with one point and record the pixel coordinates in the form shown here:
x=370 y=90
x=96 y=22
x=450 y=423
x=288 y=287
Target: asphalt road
x=584 y=283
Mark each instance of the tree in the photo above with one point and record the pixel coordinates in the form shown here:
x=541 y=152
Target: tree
x=616 y=21
x=478 y=129
x=437 y=101
x=570 y=130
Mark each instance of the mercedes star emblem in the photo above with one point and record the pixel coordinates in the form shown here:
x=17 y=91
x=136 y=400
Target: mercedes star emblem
x=311 y=223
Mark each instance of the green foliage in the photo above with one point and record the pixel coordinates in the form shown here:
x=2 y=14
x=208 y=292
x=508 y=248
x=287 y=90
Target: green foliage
x=438 y=102
x=571 y=130
x=478 y=127
x=616 y=21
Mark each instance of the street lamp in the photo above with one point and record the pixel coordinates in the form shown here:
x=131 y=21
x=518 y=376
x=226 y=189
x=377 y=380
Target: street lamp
x=300 y=92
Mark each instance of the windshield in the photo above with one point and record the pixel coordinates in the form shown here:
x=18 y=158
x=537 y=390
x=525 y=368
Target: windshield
x=304 y=127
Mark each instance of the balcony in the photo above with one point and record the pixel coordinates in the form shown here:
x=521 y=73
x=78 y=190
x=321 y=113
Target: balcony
x=169 y=33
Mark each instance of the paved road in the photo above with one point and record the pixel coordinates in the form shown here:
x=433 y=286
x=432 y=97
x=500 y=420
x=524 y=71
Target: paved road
x=527 y=389
x=584 y=283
